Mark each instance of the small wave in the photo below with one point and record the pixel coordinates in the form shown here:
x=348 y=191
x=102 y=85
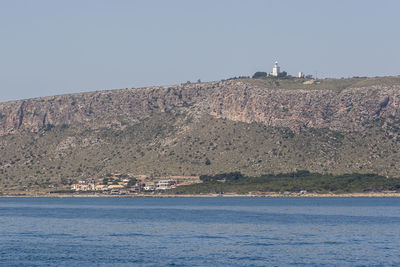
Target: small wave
x=209 y=237
x=260 y=244
x=130 y=235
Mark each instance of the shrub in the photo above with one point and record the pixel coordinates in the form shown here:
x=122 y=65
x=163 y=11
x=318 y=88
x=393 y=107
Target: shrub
x=259 y=74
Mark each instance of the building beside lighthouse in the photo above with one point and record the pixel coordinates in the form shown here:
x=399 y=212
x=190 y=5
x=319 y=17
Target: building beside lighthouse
x=275 y=70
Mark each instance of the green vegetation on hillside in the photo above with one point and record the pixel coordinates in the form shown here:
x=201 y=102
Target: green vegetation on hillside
x=291 y=182
x=176 y=144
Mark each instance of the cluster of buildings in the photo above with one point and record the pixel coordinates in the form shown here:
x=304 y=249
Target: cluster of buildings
x=276 y=71
x=117 y=185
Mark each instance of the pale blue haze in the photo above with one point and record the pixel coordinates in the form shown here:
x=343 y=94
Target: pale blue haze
x=199 y=231
x=52 y=47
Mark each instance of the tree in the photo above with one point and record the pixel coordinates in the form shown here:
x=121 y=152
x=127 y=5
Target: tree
x=64 y=181
x=132 y=182
x=260 y=74
x=208 y=162
x=282 y=74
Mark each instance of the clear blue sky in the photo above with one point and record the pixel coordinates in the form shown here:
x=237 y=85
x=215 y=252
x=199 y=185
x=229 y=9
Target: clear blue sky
x=51 y=47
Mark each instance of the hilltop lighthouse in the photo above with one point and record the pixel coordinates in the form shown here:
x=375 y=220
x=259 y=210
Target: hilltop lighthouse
x=275 y=70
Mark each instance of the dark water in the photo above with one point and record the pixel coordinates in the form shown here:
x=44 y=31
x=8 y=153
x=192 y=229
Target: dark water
x=200 y=231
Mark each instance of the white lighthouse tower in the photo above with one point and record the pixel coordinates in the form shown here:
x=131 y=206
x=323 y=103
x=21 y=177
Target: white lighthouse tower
x=275 y=69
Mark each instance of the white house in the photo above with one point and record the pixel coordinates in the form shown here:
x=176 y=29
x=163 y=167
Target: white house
x=165 y=184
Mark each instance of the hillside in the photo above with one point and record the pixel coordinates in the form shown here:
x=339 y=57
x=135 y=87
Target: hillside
x=254 y=126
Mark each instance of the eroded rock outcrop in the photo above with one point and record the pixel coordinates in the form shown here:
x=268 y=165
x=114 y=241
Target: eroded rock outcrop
x=346 y=110
x=341 y=110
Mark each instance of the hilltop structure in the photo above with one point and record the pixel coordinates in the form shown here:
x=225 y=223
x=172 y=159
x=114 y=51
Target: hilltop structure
x=275 y=70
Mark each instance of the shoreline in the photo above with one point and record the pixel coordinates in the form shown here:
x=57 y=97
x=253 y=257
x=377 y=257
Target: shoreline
x=267 y=195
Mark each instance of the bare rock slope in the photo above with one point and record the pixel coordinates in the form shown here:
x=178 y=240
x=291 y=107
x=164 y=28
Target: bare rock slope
x=285 y=125
x=342 y=110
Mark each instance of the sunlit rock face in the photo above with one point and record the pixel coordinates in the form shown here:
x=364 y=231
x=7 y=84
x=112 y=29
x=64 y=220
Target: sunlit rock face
x=350 y=109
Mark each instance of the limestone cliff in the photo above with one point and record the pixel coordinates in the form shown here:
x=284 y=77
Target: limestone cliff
x=239 y=100
x=250 y=125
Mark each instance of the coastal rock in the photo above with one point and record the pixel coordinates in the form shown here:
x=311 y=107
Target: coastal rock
x=340 y=110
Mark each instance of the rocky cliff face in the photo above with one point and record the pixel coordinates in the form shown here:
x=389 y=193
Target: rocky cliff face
x=341 y=110
x=345 y=110
x=246 y=125
x=135 y=104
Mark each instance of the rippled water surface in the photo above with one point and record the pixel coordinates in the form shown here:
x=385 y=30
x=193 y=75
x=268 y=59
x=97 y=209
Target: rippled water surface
x=199 y=231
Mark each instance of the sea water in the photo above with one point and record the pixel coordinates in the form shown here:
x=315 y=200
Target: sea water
x=199 y=231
